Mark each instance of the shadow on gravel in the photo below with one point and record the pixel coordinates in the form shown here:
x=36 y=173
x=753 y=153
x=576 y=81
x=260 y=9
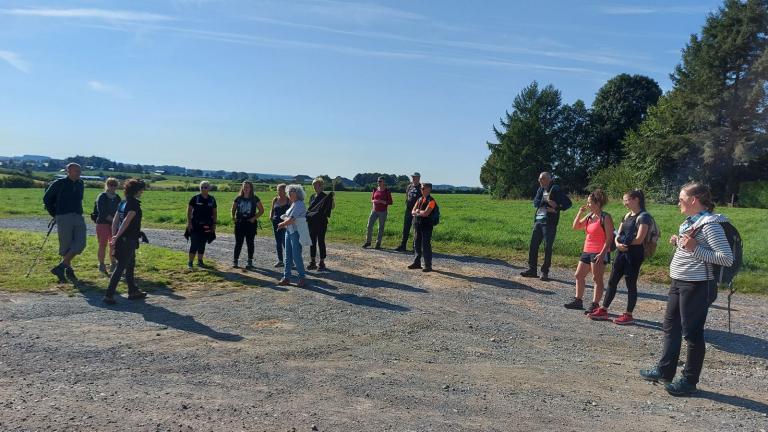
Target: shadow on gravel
x=322 y=287
x=459 y=258
x=243 y=278
x=365 y=282
x=735 y=401
x=663 y=298
x=499 y=283
x=733 y=343
x=154 y=313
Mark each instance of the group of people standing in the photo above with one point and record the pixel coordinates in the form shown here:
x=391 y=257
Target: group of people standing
x=700 y=245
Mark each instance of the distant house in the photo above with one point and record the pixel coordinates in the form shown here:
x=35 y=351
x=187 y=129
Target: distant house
x=159 y=172
x=83 y=177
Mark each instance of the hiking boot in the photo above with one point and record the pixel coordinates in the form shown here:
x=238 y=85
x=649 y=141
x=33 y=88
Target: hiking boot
x=279 y=264
x=378 y=246
x=70 y=272
x=201 y=264
x=235 y=264
x=653 y=375
x=103 y=269
x=415 y=266
x=400 y=248
x=592 y=307
x=301 y=283
x=322 y=267
x=599 y=314
x=366 y=245
x=576 y=303
x=624 y=319
x=427 y=269
x=108 y=300
x=544 y=277
x=189 y=265
x=58 y=271
x=249 y=266
x=529 y=273
x=680 y=387
x=137 y=295
x=284 y=282
x=312 y=266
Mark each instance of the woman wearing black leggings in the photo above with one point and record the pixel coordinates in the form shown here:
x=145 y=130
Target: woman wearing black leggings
x=631 y=253
x=246 y=209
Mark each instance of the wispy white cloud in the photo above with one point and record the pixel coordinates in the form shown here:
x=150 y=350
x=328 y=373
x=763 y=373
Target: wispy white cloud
x=361 y=12
x=14 y=60
x=108 y=89
x=102 y=14
x=621 y=9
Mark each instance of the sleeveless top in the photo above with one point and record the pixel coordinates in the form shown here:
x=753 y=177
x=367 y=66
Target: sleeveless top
x=595 y=240
x=280 y=210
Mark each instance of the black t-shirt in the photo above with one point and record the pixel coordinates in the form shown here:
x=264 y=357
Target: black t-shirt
x=245 y=208
x=630 y=225
x=202 y=209
x=130 y=204
x=314 y=206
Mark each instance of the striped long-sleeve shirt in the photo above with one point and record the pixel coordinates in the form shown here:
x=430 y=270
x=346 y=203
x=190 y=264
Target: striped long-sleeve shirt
x=712 y=248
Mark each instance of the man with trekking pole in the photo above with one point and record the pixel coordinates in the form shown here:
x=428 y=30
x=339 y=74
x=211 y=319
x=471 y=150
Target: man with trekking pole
x=64 y=202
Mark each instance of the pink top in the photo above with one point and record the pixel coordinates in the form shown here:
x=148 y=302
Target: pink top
x=384 y=195
x=595 y=241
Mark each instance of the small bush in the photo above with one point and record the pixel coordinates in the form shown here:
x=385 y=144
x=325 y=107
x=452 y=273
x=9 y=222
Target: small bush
x=753 y=194
x=615 y=181
x=15 y=181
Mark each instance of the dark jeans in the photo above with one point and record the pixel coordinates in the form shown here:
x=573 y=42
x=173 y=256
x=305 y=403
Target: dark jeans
x=686 y=313
x=317 y=230
x=407 y=223
x=244 y=231
x=542 y=231
x=125 y=253
x=422 y=244
x=279 y=239
x=627 y=265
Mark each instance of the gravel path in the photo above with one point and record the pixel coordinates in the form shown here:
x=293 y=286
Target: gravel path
x=370 y=346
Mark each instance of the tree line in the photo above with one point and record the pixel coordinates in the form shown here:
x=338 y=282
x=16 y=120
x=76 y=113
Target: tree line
x=711 y=126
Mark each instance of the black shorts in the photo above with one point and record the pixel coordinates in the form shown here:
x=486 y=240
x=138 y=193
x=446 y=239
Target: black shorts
x=589 y=258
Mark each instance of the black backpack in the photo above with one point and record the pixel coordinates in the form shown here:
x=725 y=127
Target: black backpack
x=725 y=275
x=435 y=215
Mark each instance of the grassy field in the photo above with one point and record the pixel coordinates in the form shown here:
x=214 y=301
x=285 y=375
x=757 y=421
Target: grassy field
x=470 y=225
x=156 y=269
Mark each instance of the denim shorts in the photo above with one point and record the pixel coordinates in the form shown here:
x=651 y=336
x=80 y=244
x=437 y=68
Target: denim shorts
x=589 y=258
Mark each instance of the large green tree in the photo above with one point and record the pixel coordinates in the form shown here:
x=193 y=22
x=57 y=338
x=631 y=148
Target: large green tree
x=620 y=105
x=714 y=121
x=526 y=143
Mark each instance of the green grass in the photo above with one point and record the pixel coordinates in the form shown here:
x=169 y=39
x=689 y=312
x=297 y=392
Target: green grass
x=471 y=225
x=157 y=268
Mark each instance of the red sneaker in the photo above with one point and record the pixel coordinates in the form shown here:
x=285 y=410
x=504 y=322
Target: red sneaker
x=599 y=314
x=624 y=319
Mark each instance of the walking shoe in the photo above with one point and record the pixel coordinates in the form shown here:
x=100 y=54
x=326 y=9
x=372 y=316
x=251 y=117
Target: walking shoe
x=366 y=245
x=427 y=269
x=624 y=319
x=201 y=264
x=70 y=272
x=400 y=248
x=279 y=264
x=576 y=303
x=234 y=264
x=284 y=282
x=189 y=265
x=599 y=314
x=301 y=283
x=249 y=266
x=58 y=271
x=137 y=295
x=544 y=277
x=653 y=375
x=378 y=246
x=103 y=268
x=322 y=267
x=108 y=300
x=312 y=266
x=414 y=266
x=592 y=307
x=680 y=387
x=529 y=274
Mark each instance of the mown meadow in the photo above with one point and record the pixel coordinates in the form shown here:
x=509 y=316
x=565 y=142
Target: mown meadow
x=470 y=225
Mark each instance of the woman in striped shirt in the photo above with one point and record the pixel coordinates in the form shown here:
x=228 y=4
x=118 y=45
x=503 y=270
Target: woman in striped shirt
x=699 y=245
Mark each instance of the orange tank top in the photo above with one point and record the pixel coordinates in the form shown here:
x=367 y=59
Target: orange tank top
x=595 y=240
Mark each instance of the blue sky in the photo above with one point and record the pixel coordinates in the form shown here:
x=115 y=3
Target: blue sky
x=310 y=86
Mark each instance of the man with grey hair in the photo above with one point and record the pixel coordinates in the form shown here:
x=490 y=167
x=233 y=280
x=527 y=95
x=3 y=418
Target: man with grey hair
x=64 y=201
x=549 y=201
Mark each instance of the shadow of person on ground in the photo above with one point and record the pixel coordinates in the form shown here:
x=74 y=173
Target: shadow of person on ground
x=460 y=258
x=736 y=401
x=663 y=298
x=157 y=288
x=153 y=313
x=734 y=343
x=365 y=282
x=322 y=287
x=499 y=283
x=243 y=278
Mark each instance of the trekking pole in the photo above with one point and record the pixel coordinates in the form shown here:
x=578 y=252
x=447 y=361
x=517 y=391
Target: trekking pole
x=730 y=293
x=51 y=224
